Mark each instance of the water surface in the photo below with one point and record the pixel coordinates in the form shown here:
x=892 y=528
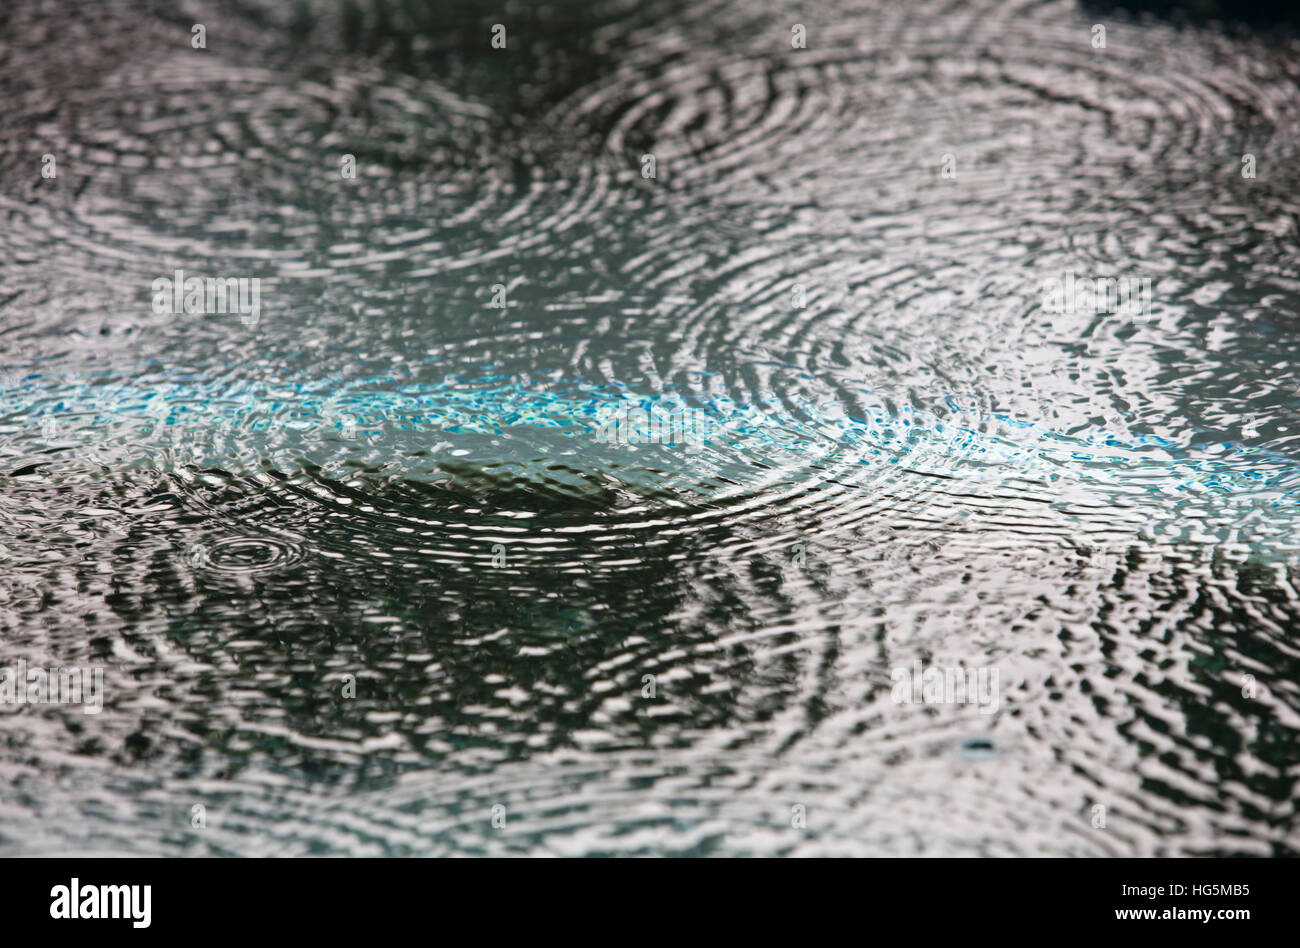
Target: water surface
x=389 y=481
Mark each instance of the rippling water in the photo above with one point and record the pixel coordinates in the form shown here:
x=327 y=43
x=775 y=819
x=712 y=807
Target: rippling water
x=366 y=574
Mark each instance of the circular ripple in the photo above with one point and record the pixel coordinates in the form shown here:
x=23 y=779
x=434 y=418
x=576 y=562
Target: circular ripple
x=224 y=164
x=921 y=320
x=244 y=555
